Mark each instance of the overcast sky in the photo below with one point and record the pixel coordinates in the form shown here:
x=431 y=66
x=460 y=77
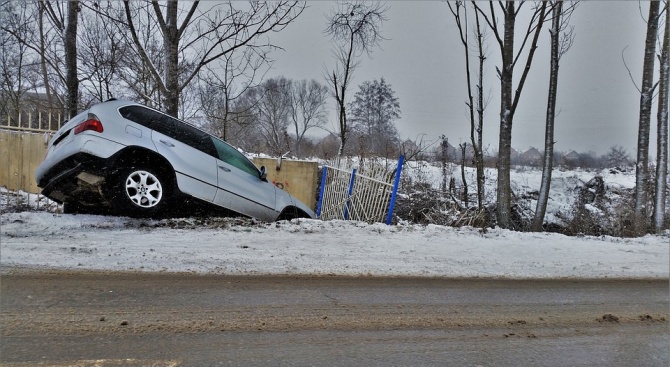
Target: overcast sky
x=422 y=59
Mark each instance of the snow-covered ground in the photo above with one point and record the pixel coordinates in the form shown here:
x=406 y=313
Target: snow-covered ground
x=525 y=183
x=44 y=240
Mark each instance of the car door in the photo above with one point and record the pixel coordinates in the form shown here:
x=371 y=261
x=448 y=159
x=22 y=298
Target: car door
x=190 y=151
x=240 y=186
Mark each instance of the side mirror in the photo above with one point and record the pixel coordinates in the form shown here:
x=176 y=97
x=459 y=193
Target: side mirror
x=264 y=174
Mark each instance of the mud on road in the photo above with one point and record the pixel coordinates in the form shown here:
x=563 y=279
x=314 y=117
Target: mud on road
x=44 y=306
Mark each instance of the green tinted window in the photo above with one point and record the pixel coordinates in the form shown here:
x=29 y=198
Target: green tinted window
x=236 y=159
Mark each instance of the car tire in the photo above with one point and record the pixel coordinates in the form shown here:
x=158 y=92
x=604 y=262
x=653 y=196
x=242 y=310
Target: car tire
x=141 y=192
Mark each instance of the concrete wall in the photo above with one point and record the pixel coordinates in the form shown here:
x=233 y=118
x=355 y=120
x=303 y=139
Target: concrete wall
x=298 y=178
x=20 y=154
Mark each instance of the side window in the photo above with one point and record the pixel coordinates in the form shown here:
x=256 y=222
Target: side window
x=149 y=118
x=236 y=159
x=191 y=136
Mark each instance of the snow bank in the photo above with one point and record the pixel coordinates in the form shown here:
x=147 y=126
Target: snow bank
x=313 y=247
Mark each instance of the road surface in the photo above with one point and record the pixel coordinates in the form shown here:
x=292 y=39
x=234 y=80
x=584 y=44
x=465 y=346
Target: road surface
x=121 y=319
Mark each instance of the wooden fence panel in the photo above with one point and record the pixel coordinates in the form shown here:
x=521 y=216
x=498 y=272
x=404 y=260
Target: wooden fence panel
x=20 y=154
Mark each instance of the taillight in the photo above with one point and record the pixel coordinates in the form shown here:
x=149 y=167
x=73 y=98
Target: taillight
x=92 y=123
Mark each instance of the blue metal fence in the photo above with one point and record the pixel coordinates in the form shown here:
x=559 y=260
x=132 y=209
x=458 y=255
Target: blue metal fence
x=365 y=193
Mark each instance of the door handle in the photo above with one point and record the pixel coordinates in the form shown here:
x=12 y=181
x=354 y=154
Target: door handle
x=225 y=168
x=167 y=143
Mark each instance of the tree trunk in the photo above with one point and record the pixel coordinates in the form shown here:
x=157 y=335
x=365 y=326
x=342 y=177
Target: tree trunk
x=662 y=133
x=71 y=79
x=548 y=165
x=171 y=43
x=343 y=128
x=479 y=151
x=646 y=97
x=504 y=195
x=465 y=183
x=445 y=148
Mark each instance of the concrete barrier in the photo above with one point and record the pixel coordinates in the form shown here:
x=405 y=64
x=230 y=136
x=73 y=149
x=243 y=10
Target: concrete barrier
x=298 y=178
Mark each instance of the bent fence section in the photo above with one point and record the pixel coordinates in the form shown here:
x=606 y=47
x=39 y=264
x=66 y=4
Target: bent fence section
x=364 y=193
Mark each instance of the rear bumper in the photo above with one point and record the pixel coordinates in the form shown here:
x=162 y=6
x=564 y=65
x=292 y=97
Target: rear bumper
x=86 y=156
x=78 y=177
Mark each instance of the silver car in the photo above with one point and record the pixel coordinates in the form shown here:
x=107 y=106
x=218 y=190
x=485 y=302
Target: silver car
x=125 y=157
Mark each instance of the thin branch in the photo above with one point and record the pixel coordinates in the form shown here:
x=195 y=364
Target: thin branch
x=630 y=74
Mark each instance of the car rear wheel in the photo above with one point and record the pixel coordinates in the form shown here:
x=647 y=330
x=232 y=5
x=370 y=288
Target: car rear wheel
x=140 y=191
x=291 y=213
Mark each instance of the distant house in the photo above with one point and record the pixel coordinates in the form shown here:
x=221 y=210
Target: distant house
x=531 y=157
x=514 y=154
x=572 y=157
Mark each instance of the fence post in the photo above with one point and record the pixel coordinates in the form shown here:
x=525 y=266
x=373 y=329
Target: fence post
x=322 y=189
x=394 y=193
x=351 y=189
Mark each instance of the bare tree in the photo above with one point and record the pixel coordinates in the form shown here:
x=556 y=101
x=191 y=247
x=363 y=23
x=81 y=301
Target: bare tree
x=617 y=157
x=42 y=51
x=661 y=186
x=135 y=72
x=222 y=86
x=203 y=37
x=53 y=42
x=14 y=56
x=479 y=126
x=646 y=97
x=509 y=100
x=307 y=109
x=476 y=124
x=271 y=109
x=28 y=65
x=354 y=27
x=562 y=37
x=278 y=105
x=242 y=128
x=100 y=54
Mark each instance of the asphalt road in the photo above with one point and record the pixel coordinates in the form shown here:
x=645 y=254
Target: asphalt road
x=112 y=319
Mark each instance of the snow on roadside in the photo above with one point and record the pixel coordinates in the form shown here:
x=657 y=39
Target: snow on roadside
x=314 y=247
